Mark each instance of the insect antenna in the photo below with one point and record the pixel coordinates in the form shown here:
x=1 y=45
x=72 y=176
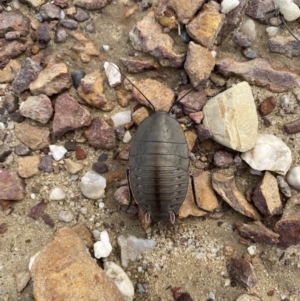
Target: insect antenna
x=111 y=64
x=287 y=27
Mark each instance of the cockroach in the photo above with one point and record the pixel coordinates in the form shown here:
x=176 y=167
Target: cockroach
x=158 y=174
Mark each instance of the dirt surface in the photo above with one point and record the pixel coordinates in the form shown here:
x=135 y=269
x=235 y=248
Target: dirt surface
x=177 y=260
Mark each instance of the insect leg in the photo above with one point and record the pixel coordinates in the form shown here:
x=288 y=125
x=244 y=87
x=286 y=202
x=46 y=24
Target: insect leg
x=130 y=192
x=172 y=217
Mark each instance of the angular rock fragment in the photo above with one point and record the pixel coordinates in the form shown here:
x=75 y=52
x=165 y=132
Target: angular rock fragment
x=232 y=117
x=69 y=115
x=194 y=101
x=132 y=247
x=72 y=167
x=49 y=11
x=37 y=210
x=266 y=196
x=232 y=21
x=91 y=4
x=223 y=159
x=161 y=96
x=261 y=72
x=28 y=166
x=12 y=187
x=242 y=271
x=91 y=90
x=185 y=10
x=288 y=227
x=22 y=278
x=137 y=66
x=283 y=186
x=148 y=36
x=286 y=45
x=52 y=80
x=66 y=261
x=225 y=186
x=8 y=73
x=199 y=64
x=204 y=133
x=10 y=50
x=257 y=232
x=205 y=27
x=43 y=34
x=292 y=127
x=269 y=153
x=14 y=21
x=101 y=135
x=38 y=108
x=32 y=136
x=46 y=164
x=29 y=72
x=81 y=15
x=258 y=9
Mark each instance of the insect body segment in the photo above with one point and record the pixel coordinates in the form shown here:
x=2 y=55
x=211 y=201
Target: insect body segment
x=159 y=166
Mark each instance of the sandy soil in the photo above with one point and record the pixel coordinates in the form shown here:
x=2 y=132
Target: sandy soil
x=176 y=261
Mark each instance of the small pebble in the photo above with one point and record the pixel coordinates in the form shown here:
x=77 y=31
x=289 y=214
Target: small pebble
x=93 y=185
x=113 y=74
x=127 y=137
x=293 y=177
x=65 y=216
x=272 y=31
x=251 y=250
x=105 y=47
x=57 y=194
x=103 y=247
x=121 y=118
x=249 y=30
x=284 y=101
x=58 y=151
x=228 y=5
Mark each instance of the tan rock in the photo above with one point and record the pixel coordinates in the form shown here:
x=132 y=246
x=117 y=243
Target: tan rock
x=205 y=196
x=22 y=278
x=34 y=3
x=199 y=64
x=64 y=270
x=139 y=115
x=72 y=166
x=185 y=10
x=191 y=138
x=189 y=206
x=91 y=90
x=84 y=233
x=160 y=96
x=52 y=80
x=232 y=117
x=8 y=73
x=28 y=166
x=32 y=136
x=266 y=196
x=225 y=186
x=206 y=26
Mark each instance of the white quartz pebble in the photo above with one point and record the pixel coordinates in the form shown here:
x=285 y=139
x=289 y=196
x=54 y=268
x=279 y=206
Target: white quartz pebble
x=288 y=8
x=117 y=275
x=269 y=153
x=121 y=118
x=293 y=177
x=57 y=194
x=127 y=137
x=103 y=247
x=272 y=31
x=113 y=74
x=249 y=30
x=58 y=151
x=93 y=185
x=65 y=216
x=228 y=5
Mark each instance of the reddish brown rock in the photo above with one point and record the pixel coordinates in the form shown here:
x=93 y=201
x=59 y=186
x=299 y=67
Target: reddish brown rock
x=12 y=187
x=91 y=4
x=196 y=117
x=267 y=105
x=3 y=228
x=257 y=232
x=232 y=21
x=10 y=50
x=69 y=115
x=29 y=166
x=14 y=21
x=80 y=153
x=91 y=90
x=38 y=108
x=266 y=196
x=137 y=66
x=29 y=72
x=50 y=11
x=8 y=73
x=185 y=10
x=258 y=9
x=223 y=159
x=205 y=27
x=32 y=136
x=60 y=35
x=52 y=80
x=148 y=36
x=159 y=95
x=225 y=186
x=288 y=227
x=101 y=135
x=260 y=72
x=292 y=127
x=242 y=271
x=37 y=210
x=193 y=102
x=199 y=64
x=66 y=261
x=43 y=34
x=204 y=133
x=286 y=45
